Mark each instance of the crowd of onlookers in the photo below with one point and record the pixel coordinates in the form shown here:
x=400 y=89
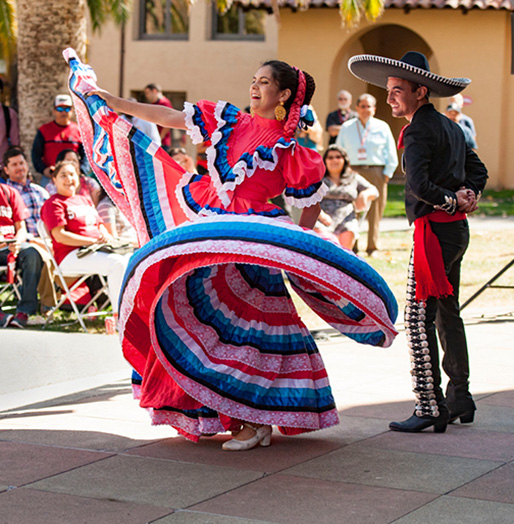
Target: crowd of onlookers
x=360 y=159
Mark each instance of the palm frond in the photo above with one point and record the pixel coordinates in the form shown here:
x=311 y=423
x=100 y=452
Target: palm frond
x=222 y=6
x=97 y=13
x=350 y=11
x=373 y=9
x=7 y=29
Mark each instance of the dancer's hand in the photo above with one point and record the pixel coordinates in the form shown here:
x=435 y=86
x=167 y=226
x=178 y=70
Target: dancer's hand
x=466 y=200
x=109 y=98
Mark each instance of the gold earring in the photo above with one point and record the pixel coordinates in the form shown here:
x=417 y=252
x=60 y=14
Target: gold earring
x=252 y=111
x=280 y=112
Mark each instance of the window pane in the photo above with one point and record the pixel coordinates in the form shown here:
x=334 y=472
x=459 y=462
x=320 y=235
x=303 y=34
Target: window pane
x=254 y=22
x=179 y=16
x=228 y=24
x=155 y=17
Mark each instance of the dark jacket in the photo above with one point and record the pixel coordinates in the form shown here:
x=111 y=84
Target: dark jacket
x=437 y=163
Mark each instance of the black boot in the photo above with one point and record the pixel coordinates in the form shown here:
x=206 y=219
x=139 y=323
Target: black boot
x=463 y=409
x=416 y=424
x=466 y=416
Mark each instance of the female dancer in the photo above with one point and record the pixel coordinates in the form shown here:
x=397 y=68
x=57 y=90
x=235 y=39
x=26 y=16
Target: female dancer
x=348 y=192
x=205 y=316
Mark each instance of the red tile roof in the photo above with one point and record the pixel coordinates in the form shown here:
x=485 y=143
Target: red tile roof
x=388 y=4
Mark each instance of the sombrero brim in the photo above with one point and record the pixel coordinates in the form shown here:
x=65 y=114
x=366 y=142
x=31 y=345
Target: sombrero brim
x=377 y=69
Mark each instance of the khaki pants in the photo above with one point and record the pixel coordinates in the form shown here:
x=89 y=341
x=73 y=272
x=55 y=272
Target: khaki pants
x=374 y=175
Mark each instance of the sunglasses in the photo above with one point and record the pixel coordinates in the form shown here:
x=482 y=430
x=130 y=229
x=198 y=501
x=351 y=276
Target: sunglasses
x=63 y=109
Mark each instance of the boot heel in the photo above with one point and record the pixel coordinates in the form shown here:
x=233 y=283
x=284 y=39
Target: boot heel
x=467 y=418
x=441 y=427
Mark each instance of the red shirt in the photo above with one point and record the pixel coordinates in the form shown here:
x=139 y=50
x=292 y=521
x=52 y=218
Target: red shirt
x=163 y=101
x=12 y=209
x=76 y=213
x=58 y=138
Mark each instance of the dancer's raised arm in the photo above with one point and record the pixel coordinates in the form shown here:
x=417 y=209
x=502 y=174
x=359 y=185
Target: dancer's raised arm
x=160 y=115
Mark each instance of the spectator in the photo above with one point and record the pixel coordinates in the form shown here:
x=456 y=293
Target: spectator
x=17 y=170
x=73 y=222
x=88 y=186
x=465 y=120
x=454 y=113
x=337 y=118
x=55 y=136
x=9 y=127
x=372 y=151
x=34 y=196
x=115 y=221
x=13 y=213
x=153 y=94
x=348 y=193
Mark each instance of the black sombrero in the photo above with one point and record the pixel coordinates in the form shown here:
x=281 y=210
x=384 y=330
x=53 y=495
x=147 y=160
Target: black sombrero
x=412 y=66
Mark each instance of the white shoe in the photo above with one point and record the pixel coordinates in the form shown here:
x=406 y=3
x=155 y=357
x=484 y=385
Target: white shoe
x=262 y=436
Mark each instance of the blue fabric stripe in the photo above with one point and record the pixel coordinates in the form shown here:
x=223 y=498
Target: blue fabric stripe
x=251 y=394
x=286 y=343
x=302 y=193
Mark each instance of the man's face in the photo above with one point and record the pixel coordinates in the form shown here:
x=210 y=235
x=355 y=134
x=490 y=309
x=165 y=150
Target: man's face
x=403 y=100
x=344 y=100
x=62 y=115
x=365 y=109
x=17 y=169
x=151 y=95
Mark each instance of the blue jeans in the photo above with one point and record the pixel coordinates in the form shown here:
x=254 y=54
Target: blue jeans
x=30 y=263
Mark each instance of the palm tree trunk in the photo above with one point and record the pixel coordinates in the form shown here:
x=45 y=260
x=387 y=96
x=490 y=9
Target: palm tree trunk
x=45 y=28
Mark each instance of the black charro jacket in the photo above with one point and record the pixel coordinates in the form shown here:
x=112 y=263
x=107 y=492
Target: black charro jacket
x=437 y=162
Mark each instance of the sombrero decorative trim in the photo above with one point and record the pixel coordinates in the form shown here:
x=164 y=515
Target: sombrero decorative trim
x=377 y=69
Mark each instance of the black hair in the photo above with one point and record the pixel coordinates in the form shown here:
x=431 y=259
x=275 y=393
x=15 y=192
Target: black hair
x=153 y=87
x=62 y=154
x=287 y=78
x=61 y=164
x=12 y=152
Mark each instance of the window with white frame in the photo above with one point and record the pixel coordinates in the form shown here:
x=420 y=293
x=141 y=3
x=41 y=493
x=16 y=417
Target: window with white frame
x=164 y=19
x=239 y=24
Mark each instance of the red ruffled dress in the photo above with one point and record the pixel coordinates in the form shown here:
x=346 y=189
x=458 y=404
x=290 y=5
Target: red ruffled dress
x=205 y=317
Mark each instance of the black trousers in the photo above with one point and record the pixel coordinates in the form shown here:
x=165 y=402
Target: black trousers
x=426 y=320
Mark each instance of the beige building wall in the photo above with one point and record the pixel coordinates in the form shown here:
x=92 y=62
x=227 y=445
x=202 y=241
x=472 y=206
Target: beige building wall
x=200 y=67
x=476 y=45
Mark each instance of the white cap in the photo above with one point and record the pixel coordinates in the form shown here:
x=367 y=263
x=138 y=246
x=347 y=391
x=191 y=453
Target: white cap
x=62 y=100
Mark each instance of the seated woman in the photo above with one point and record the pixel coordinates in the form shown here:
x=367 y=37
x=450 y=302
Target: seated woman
x=74 y=222
x=348 y=193
x=88 y=186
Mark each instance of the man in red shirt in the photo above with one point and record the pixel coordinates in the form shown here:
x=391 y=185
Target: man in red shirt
x=56 y=136
x=153 y=95
x=13 y=239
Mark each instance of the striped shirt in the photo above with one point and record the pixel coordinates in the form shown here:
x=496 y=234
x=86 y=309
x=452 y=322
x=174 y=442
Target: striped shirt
x=34 y=196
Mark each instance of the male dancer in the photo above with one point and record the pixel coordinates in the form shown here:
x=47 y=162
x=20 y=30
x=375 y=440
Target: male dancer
x=444 y=180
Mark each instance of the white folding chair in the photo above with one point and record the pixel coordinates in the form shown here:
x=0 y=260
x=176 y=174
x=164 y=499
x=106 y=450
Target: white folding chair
x=81 y=312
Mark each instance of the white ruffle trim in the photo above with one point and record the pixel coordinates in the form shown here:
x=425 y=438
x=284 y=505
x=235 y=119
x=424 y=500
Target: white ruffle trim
x=183 y=182
x=240 y=169
x=191 y=128
x=307 y=202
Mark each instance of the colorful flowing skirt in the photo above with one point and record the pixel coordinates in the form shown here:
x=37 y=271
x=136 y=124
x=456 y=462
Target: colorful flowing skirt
x=205 y=316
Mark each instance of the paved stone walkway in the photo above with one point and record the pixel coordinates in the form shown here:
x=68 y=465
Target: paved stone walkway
x=92 y=456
